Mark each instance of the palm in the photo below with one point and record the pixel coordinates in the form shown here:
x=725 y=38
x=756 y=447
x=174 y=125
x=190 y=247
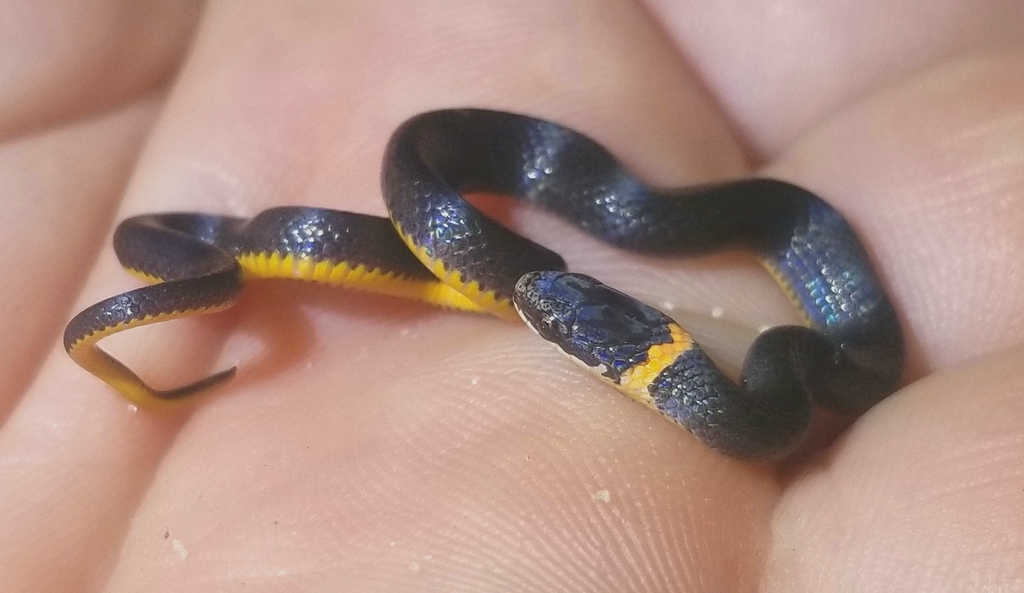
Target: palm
x=369 y=444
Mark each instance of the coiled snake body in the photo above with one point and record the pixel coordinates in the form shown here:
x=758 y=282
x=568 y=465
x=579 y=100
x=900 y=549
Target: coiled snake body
x=847 y=356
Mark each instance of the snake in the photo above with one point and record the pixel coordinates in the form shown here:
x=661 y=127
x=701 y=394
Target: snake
x=437 y=247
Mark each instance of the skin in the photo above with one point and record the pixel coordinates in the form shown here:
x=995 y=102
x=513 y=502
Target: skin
x=375 y=445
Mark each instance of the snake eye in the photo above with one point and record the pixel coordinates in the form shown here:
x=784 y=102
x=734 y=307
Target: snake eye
x=548 y=326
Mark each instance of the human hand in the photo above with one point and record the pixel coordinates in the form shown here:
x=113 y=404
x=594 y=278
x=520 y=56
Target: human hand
x=370 y=444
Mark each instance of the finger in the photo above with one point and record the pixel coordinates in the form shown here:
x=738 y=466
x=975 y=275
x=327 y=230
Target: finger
x=780 y=68
x=925 y=494
x=931 y=169
x=61 y=60
x=62 y=187
x=930 y=172
x=61 y=190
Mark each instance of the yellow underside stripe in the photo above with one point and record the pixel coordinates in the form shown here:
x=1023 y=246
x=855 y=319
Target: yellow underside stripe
x=452 y=292
x=484 y=300
x=265 y=265
x=144 y=276
x=787 y=288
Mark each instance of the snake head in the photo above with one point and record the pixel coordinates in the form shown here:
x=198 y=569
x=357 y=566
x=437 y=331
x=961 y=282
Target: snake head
x=590 y=322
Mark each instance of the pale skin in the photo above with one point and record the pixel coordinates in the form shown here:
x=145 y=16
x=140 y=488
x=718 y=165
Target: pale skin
x=369 y=444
